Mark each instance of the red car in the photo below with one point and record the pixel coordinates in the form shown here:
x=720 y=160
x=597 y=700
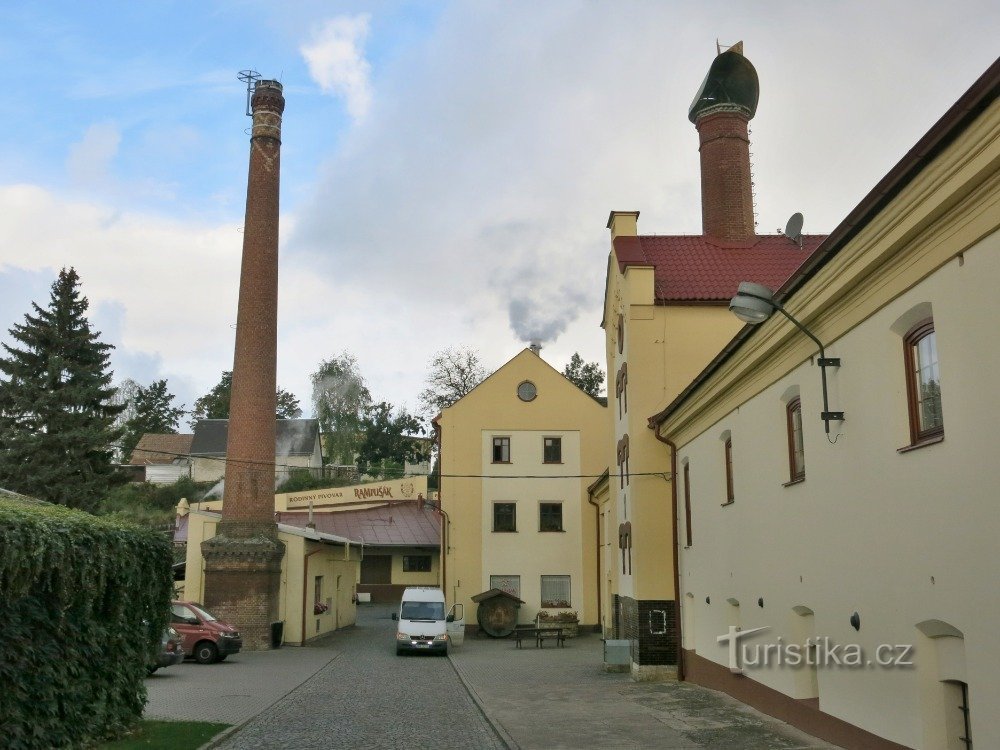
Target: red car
x=206 y=638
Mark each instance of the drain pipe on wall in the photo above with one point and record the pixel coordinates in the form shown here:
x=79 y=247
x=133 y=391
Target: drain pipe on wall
x=597 y=517
x=677 y=570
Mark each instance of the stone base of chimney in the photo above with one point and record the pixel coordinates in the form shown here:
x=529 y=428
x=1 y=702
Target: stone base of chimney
x=243 y=582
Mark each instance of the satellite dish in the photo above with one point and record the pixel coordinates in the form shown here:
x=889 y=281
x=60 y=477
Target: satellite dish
x=793 y=229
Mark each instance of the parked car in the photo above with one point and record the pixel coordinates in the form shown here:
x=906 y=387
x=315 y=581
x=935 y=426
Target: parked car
x=206 y=638
x=171 y=651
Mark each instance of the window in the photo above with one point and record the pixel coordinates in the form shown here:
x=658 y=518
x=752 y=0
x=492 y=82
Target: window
x=508 y=584
x=317 y=591
x=504 y=516
x=796 y=451
x=730 y=495
x=527 y=391
x=687 y=502
x=501 y=450
x=416 y=563
x=550 y=517
x=621 y=333
x=555 y=591
x=923 y=382
x=552 y=450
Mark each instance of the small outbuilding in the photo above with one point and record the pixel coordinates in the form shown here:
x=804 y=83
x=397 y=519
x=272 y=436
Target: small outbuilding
x=497 y=612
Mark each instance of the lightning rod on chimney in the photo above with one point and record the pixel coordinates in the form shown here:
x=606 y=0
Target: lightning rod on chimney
x=250 y=77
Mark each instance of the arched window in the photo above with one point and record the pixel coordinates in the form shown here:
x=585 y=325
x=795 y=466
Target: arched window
x=923 y=382
x=796 y=449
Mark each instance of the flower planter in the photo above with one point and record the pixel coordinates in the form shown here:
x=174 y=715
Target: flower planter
x=570 y=628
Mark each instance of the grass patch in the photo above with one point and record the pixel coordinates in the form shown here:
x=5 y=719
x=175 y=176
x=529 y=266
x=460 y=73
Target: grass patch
x=167 y=735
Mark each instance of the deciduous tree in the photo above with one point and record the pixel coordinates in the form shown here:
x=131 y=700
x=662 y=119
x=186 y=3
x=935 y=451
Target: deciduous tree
x=215 y=403
x=389 y=442
x=451 y=374
x=587 y=376
x=340 y=402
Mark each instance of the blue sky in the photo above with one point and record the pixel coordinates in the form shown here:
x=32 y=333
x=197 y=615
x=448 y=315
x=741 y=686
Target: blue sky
x=442 y=163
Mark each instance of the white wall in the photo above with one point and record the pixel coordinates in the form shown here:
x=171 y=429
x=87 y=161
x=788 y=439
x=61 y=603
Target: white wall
x=900 y=538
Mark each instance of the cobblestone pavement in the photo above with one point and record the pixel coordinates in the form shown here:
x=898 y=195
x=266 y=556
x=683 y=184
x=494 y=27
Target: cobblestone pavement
x=371 y=698
x=560 y=698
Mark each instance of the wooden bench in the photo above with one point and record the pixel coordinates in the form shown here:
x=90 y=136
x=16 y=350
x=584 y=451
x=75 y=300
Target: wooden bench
x=539 y=634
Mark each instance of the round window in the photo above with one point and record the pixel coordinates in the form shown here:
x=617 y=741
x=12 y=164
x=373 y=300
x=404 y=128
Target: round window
x=527 y=391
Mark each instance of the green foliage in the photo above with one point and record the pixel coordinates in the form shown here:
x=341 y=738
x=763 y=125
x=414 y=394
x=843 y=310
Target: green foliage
x=152 y=412
x=56 y=414
x=151 y=504
x=587 y=376
x=167 y=735
x=451 y=374
x=388 y=441
x=300 y=480
x=215 y=403
x=340 y=400
x=85 y=600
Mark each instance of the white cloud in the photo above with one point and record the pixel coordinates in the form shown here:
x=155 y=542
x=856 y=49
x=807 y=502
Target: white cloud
x=336 y=61
x=89 y=159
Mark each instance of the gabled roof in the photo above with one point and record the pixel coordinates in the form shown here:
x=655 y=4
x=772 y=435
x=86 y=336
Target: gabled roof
x=160 y=448
x=390 y=525
x=696 y=268
x=294 y=437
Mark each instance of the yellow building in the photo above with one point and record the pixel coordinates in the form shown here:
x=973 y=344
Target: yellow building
x=877 y=534
x=665 y=318
x=517 y=455
x=366 y=541
x=318 y=573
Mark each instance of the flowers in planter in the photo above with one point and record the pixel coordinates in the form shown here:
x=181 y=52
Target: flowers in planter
x=320 y=608
x=569 y=616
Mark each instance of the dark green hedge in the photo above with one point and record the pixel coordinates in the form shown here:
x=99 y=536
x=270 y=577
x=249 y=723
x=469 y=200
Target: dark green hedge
x=81 y=600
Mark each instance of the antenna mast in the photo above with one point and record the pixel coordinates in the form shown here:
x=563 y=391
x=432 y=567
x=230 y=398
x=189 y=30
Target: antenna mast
x=250 y=77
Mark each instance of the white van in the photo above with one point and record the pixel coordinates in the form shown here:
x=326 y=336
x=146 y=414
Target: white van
x=423 y=625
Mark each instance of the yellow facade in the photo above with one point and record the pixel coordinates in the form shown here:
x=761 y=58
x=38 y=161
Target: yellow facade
x=306 y=559
x=661 y=349
x=471 y=483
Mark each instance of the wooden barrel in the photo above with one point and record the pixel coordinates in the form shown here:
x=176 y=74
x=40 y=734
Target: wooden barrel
x=497 y=612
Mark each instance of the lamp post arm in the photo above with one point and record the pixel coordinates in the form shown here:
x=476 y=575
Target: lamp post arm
x=806 y=331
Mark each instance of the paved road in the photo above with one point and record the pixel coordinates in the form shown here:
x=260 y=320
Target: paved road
x=370 y=698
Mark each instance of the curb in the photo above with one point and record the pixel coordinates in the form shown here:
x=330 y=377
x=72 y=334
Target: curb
x=502 y=733
x=225 y=734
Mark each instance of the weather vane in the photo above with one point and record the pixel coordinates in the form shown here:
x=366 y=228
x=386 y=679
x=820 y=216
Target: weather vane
x=250 y=77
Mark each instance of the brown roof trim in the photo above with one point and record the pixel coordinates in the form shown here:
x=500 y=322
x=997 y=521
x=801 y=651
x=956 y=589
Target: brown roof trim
x=959 y=116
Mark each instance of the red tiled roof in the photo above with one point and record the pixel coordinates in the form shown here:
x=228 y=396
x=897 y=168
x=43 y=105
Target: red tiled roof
x=402 y=525
x=699 y=268
x=158 y=448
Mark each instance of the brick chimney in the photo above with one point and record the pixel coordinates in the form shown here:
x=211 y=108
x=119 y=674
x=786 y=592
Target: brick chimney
x=243 y=560
x=721 y=112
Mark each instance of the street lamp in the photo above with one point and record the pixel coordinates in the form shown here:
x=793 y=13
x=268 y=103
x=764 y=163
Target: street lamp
x=754 y=304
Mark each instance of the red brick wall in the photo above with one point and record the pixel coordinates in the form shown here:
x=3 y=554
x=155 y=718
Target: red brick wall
x=726 y=192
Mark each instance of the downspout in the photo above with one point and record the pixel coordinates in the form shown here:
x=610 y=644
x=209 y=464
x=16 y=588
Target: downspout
x=305 y=588
x=443 y=553
x=597 y=517
x=677 y=569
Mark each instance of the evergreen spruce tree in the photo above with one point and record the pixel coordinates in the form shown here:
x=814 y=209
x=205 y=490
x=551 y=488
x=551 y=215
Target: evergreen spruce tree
x=56 y=413
x=153 y=411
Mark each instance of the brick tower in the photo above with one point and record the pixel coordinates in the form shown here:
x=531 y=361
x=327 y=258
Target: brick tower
x=722 y=111
x=243 y=561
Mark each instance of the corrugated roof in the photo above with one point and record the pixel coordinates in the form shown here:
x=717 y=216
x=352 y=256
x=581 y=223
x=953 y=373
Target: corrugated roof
x=695 y=268
x=391 y=525
x=160 y=448
x=294 y=437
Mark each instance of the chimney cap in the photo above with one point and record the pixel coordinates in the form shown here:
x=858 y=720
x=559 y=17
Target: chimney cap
x=731 y=84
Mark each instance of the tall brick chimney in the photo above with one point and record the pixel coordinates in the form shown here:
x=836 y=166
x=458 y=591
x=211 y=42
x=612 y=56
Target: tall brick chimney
x=721 y=112
x=243 y=560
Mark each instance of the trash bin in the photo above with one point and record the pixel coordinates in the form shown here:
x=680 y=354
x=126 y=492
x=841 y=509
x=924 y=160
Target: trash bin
x=277 y=633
